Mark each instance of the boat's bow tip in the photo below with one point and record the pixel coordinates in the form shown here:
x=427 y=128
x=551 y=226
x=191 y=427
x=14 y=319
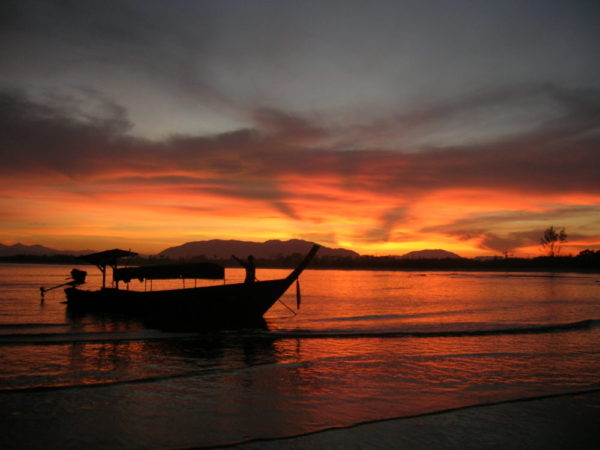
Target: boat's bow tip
x=307 y=259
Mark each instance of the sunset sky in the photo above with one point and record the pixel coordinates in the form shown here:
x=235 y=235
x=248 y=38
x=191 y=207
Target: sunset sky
x=378 y=126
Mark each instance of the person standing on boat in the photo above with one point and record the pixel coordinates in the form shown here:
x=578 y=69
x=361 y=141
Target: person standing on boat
x=249 y=266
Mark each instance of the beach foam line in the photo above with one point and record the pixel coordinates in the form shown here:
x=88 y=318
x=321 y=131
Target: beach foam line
x=60 y=387
x=529 y=329
x=243 y=442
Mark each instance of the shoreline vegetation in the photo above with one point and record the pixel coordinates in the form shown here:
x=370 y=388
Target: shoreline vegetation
x=585 y=261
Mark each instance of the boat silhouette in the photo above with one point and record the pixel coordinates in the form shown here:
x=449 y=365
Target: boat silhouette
x=231 y=303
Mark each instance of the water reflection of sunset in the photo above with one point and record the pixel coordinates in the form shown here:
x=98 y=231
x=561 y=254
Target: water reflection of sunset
x=365 y=345
x=424 y=302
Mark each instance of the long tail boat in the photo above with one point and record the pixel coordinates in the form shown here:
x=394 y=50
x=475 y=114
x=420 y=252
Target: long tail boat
x=238 y=302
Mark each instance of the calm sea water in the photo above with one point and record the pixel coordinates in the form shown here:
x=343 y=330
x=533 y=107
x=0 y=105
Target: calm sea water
x=365 y=345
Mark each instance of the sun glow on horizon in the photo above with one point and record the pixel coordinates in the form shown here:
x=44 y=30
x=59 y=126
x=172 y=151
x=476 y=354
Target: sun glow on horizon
x=149 y=218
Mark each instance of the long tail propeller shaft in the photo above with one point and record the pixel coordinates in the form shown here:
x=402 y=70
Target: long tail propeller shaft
x=77 y=278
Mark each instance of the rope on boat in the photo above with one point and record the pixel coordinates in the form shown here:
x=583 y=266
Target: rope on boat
x=291 y=310
x=298 y=299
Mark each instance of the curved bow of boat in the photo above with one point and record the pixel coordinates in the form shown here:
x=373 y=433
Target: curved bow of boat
x=300 y=268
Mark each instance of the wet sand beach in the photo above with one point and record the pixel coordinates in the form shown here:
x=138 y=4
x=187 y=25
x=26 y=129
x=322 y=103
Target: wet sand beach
x=559 y=422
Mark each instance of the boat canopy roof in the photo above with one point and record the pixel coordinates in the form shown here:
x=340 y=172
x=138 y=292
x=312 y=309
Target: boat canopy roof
x=108 y=257
x=207 y=271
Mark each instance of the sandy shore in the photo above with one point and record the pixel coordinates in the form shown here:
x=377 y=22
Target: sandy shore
x=564 y=422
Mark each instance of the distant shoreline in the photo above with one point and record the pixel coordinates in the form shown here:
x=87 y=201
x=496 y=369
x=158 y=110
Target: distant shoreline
x=564 y=264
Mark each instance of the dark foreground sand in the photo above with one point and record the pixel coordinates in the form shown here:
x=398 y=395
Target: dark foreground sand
x=562 y=422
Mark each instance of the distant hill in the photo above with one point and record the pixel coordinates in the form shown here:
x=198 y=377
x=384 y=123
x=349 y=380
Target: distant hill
x=223 y=249
x=430 y=254
x=36 y=250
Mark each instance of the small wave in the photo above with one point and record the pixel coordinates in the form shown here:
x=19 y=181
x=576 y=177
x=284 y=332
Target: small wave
x=91 y=337
x=147 y=379
x=88 y=385
x=383 y=317
x=514 y=275
x=526 y=329
x=360 y=318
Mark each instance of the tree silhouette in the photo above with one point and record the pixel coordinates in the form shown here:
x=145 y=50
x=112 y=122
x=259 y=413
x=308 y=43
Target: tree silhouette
x=552 y=241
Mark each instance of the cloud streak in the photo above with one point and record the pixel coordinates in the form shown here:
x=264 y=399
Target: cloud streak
x=555 y=157
x=275 y=162
x=496 y=230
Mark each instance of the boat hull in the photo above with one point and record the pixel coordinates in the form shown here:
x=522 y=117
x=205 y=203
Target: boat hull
x=241 y=302
x=234 y=301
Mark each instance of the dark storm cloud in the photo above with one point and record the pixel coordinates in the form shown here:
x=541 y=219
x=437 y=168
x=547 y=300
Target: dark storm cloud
x=557 y=157
x=38 y=138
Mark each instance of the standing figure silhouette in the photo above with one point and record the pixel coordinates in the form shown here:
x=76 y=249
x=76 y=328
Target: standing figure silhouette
x=249 y=266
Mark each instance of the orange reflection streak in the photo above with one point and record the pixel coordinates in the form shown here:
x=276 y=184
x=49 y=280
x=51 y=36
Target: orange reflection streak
x=340 y=318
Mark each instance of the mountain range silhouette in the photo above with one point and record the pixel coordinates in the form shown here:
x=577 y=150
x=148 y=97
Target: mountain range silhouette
x=223 y=249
